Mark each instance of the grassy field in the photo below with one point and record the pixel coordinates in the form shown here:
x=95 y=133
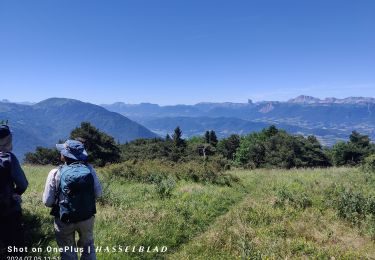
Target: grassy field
x=268 y=214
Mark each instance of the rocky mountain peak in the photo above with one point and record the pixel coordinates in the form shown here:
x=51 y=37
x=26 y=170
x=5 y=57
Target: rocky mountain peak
x=302 y=99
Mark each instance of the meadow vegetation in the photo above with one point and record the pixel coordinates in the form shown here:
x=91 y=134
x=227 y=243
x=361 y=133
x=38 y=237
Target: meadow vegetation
x=264 y=213
x=267 y=195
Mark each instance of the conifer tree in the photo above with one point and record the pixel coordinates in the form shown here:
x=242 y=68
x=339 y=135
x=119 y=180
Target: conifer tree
x=207 y=137
x=177 y=137
x=213 y=138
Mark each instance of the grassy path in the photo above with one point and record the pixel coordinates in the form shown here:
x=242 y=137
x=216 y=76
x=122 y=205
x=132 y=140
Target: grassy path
x=132 y=214
x=257 y=229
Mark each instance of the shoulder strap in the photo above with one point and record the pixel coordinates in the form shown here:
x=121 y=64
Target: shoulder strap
x=6 y=157
x=57 y=190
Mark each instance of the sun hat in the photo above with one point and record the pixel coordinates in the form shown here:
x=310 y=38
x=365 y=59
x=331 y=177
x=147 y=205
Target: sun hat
x=73 y=149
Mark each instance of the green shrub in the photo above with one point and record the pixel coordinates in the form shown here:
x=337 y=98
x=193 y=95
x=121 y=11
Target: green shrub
x=351 y=206
x=43 y=156
x=274 y=148
x=369 y=164
x=372 y=227
x=370 y=205
x=352 y=152
x=165 y=186
x=294 y=198
x=150 y=171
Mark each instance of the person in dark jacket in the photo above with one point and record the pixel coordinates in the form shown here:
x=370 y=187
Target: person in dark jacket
x=13 y=184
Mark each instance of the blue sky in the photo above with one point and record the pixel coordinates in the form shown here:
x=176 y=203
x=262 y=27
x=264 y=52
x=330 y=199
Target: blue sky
x=186 y=51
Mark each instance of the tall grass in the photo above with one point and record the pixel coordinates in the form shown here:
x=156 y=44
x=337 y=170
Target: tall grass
x=261 y=214
x=150 y=171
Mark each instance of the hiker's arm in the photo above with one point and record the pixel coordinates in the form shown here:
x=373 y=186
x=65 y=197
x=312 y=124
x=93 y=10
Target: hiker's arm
x=97 y=185
x=50 y=189
x=18 y=176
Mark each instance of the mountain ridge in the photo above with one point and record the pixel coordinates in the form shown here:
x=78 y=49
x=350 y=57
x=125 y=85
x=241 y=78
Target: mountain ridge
x=330 y=119
x=301 y=99
x=45 y=122
x=332 y=100
x=302 y=114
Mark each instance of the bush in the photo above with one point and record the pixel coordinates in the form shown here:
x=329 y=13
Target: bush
x=352 y=152
x=294 y=198
x=351 y=206
x=276 y=148
x=43 y=156
x=101 y=147
x=151 y=171
x=165 y=186
x=369 y=164
x=370 y=206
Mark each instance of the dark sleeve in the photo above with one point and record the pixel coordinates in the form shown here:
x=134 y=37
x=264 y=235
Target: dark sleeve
x=18 y=176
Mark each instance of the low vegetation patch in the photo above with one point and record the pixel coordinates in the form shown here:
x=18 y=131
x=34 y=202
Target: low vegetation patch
x=282 y=218
x=368 y=165
x=295 y=198
x=355 y=206
x=156 y=171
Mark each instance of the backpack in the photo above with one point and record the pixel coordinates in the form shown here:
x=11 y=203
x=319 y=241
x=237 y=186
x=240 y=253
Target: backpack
x=6 y=184
x=77 y=195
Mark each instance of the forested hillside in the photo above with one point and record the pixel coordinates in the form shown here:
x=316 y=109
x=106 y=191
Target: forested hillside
x=44 y=123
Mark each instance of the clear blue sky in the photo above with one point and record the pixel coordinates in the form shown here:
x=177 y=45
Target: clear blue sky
x=186 y=51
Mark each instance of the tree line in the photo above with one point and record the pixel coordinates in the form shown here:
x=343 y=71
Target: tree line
x=271 y=147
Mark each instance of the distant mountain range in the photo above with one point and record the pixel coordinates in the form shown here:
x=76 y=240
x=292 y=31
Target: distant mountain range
x=330 y=119
x=225 y=126
x=329 y=101
x=44 y=123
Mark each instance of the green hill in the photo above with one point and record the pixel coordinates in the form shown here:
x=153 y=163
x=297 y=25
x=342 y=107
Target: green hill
x=44 y=123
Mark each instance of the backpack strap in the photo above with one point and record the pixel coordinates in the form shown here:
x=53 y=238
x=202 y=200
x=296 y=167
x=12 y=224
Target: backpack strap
x=57 y=190
x=8 y=154
x=55 y=208
x=8 y=204
x=8 y=157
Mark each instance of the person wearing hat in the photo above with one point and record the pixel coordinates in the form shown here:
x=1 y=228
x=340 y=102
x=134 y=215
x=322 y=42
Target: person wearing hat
x=13 y=184
x=59 y=189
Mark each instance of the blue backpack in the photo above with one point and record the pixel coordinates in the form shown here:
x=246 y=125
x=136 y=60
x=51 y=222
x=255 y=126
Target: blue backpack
x=77 y=195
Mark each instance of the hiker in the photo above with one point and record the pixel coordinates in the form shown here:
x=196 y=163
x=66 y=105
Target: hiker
x=71 y=190
x=13 y=184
